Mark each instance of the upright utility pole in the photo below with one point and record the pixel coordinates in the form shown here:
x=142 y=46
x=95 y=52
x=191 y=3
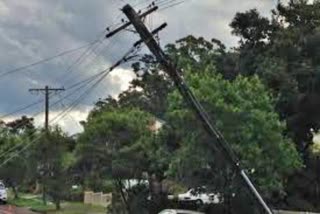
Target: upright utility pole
x=187 y=94
x=46 y=90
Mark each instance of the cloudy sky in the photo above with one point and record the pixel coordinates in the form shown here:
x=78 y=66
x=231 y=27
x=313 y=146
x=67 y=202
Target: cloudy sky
x=31 y=30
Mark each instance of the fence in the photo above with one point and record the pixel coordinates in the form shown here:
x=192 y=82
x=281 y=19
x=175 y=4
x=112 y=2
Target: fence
x=98 y=198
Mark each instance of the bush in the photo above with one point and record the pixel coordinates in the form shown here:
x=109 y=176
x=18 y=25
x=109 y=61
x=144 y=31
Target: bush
x=107 y=186
x=75 y=194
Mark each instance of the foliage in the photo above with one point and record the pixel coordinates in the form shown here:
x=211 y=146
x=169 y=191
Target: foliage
x=53 y=161
x=115 y=143
x=33 y=203
x=14 y=136
x=240 y=110
x=287 y=61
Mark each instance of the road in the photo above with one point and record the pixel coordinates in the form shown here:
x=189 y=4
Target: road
x=8 y=209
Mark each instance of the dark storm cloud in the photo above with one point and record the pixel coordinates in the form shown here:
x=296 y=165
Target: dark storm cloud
x=31 y=30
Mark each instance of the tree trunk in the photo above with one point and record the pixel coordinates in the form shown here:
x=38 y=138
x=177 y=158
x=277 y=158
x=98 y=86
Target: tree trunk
x=120 y=189
x=58 y=204
x=15 y=192
x=37 y=188
x=44 y=198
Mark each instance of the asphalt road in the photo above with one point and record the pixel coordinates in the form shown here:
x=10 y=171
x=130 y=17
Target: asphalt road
x=8 y=209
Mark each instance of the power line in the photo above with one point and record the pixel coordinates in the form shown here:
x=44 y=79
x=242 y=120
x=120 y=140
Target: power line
x=41 y=100
x=20 y=151
x=79 y=60
x=96 y=56
x=87 y=81
x=78 y=100
x=45 y=60
x=21 y=109
x=175 y=3
x=125 y=58
x=104 y=73
x=70 y=116
x=55 y=103
x=20 y=144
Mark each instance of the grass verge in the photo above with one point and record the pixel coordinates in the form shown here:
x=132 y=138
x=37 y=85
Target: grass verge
x=36 y=205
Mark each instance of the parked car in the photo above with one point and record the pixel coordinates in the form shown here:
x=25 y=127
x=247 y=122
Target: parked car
x=179 y=212
x=200 y=196
x=3 y=193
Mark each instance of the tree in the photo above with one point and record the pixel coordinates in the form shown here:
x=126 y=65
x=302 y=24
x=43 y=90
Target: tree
x=243 y=111
x=14 y=171
x=149 y=90
x=52 y=155
x=288 y=64
x=283 y=52
x=14 y=137
x=21 y=125
x=113 y=143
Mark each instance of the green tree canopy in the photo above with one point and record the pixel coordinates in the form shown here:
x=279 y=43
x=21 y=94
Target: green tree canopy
x=243 y=111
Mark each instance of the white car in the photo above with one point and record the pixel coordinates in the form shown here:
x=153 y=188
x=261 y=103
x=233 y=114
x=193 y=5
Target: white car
x=3 y=193
x=199 y=196
x=179 y=212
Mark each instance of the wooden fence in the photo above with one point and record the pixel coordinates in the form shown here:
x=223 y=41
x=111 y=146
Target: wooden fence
x=98 y=198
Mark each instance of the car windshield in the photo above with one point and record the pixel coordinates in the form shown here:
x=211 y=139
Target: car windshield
x=193 y=192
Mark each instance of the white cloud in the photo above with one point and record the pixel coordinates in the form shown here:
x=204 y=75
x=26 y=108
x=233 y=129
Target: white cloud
x=4 y=10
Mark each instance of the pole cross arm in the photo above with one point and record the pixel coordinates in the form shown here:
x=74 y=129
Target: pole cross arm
x=112 y=33
x=155 y=31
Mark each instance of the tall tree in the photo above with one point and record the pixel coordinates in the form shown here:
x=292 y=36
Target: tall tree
x=52 y=155
x=240 y=110
x=283 y=52
x=287 y=62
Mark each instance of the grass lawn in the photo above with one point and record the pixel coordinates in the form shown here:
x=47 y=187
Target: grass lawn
x=79 y=208
x=31 y=203
x=35 y=204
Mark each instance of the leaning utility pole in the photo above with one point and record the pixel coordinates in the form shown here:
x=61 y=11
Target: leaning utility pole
x=172 y=71
x=46 y=90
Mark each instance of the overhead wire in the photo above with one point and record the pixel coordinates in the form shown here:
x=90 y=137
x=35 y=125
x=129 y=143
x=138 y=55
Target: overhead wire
x=27 y=145
x=80 y=59
x=21 y=109
x=2 y=74
x=78 y=100
x=61 y=115
x=70 y=116
x=86 y=81
x=79 y=84
x=41 y=100
x=36 y=114
x=88 y=45
x=96 y=55
x=125 y=58
x=173 y=5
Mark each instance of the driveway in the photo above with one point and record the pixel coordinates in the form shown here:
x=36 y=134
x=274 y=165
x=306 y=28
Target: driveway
x=8 y=209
